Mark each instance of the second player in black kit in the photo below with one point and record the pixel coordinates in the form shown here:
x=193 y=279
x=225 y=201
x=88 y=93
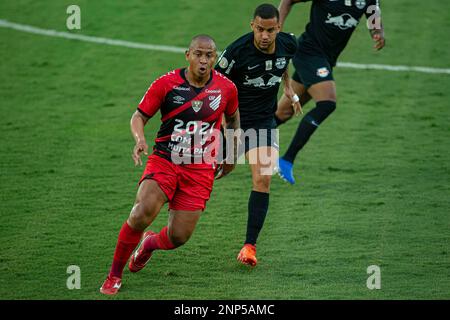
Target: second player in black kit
x=331 y=25
x=257 y=64
x=257 y=75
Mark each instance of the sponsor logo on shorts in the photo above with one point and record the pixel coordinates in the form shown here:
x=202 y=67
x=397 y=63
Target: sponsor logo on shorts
x=323 y=72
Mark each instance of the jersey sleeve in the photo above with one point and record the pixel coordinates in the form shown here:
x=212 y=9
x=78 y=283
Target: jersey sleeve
x=233 y=101
x=153 y=98
x=226 y=62
x=292 y=44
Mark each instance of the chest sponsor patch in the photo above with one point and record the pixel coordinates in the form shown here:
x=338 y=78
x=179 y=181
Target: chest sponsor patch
x=259 y=82
x=182 y=88
x=343 y=22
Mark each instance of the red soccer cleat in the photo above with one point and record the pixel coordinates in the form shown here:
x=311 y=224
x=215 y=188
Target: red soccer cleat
x=247 y=255
x=111 y=285
x=140 y=258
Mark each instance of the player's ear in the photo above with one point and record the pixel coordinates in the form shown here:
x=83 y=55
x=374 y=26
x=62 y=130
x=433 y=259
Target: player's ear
x=186 y=54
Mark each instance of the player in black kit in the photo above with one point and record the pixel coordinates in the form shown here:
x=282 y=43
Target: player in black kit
x=257 y=63
x=331 y=25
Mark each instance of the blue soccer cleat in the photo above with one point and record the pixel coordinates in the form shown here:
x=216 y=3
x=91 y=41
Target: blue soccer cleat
x=285 y=170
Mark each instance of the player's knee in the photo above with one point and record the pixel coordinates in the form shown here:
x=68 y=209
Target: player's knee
x=322 y=111
x=140 y=216
x=331 y=96
x=261 y=183
x=179 y=238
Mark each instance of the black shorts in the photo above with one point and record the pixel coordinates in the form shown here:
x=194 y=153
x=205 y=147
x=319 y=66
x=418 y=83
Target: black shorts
x=261 y=134
x=310 y=69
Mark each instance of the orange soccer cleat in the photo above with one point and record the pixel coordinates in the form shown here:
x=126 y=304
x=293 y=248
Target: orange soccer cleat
x=140 y=257
x=247 y=255
x=111 y=285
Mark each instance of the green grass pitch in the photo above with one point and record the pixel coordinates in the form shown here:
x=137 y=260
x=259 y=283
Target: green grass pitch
x=373 y=183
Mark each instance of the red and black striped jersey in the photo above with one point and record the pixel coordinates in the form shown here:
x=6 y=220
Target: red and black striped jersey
x=190 y=116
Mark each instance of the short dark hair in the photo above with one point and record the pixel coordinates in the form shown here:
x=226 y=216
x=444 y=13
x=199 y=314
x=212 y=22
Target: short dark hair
x=204 y=37
x=266 y=11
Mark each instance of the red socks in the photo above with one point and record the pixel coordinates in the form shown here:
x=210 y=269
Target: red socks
x=127 y=241
x=159 y=241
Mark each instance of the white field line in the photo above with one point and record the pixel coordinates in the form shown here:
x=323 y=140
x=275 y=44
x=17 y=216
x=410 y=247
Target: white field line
x=154 y=47
x=392 y=68
x=80 y=37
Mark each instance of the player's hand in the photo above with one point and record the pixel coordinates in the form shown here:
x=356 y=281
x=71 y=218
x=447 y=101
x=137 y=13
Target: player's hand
x=140 y=147
x=295 y=102
x=379 y=39
x=223 y=169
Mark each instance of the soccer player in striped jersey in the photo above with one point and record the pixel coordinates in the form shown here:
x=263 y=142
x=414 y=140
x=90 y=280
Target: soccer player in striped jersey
x=192 y=102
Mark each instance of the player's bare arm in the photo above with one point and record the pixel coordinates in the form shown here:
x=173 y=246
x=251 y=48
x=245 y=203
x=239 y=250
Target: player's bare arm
x=232 y=123
x=378 y=37
x=138 y=122
x=284 y=8
x=290 y=93
x=375 y=26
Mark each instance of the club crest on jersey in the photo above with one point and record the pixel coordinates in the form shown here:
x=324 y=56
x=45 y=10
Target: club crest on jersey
x=323 y=72
x=268 y=65
x=360 y=4
x=215 y=102
x=280 y=63
x=197 y=105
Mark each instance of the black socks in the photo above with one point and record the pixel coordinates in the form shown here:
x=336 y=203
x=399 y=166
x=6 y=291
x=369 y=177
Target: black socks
x=258 y=204
x=307 y=126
